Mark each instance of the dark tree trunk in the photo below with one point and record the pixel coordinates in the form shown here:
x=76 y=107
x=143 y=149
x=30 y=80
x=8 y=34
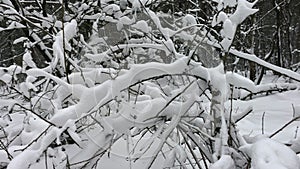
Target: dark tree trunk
x=278 y=32
x=252 y=65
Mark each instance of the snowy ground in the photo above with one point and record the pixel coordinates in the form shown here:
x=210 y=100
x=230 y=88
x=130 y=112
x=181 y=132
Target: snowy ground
x=269 y=114
x=277 y=109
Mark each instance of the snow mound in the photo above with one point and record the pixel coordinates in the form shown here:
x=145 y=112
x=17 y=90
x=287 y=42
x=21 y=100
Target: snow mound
x=225 y=162
x=266 y=153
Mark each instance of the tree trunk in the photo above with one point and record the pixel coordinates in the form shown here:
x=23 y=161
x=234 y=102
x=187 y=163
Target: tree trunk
x=252 y=65
x=278 y=37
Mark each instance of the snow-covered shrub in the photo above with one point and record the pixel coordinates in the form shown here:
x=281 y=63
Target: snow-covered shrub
x=134 y=80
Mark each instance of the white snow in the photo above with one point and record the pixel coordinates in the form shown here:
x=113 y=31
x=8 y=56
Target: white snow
x=228 y=33
x=24 y=160
x=267 y=153
x=124 y=20
x=278 y=111
x=188 y=20
x=225 y=162
x=113 y=9
x=243 y=10
x=253 y=58
x=142 y=26
x=7 y=102
x=28 y=61
x=20 y=39
x=70 y=30
x=221 y=17
x=231 y=21
x=100 y=99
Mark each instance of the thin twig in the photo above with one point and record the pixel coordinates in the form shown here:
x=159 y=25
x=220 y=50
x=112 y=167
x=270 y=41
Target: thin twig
x=35 y=140
x=170 y=101
x=44 y=119
x=191 y=150
x=262 y=123
x=296 y=132
x=284 y=126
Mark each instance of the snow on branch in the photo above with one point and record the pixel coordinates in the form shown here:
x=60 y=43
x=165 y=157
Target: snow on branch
x=126 y=73
x=286 y=72
x=64 y=36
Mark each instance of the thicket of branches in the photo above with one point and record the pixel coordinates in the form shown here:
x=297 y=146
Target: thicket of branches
x=88 y=74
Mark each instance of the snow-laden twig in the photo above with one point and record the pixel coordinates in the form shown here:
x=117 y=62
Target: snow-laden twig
x=173 y=123
x=286 y=72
